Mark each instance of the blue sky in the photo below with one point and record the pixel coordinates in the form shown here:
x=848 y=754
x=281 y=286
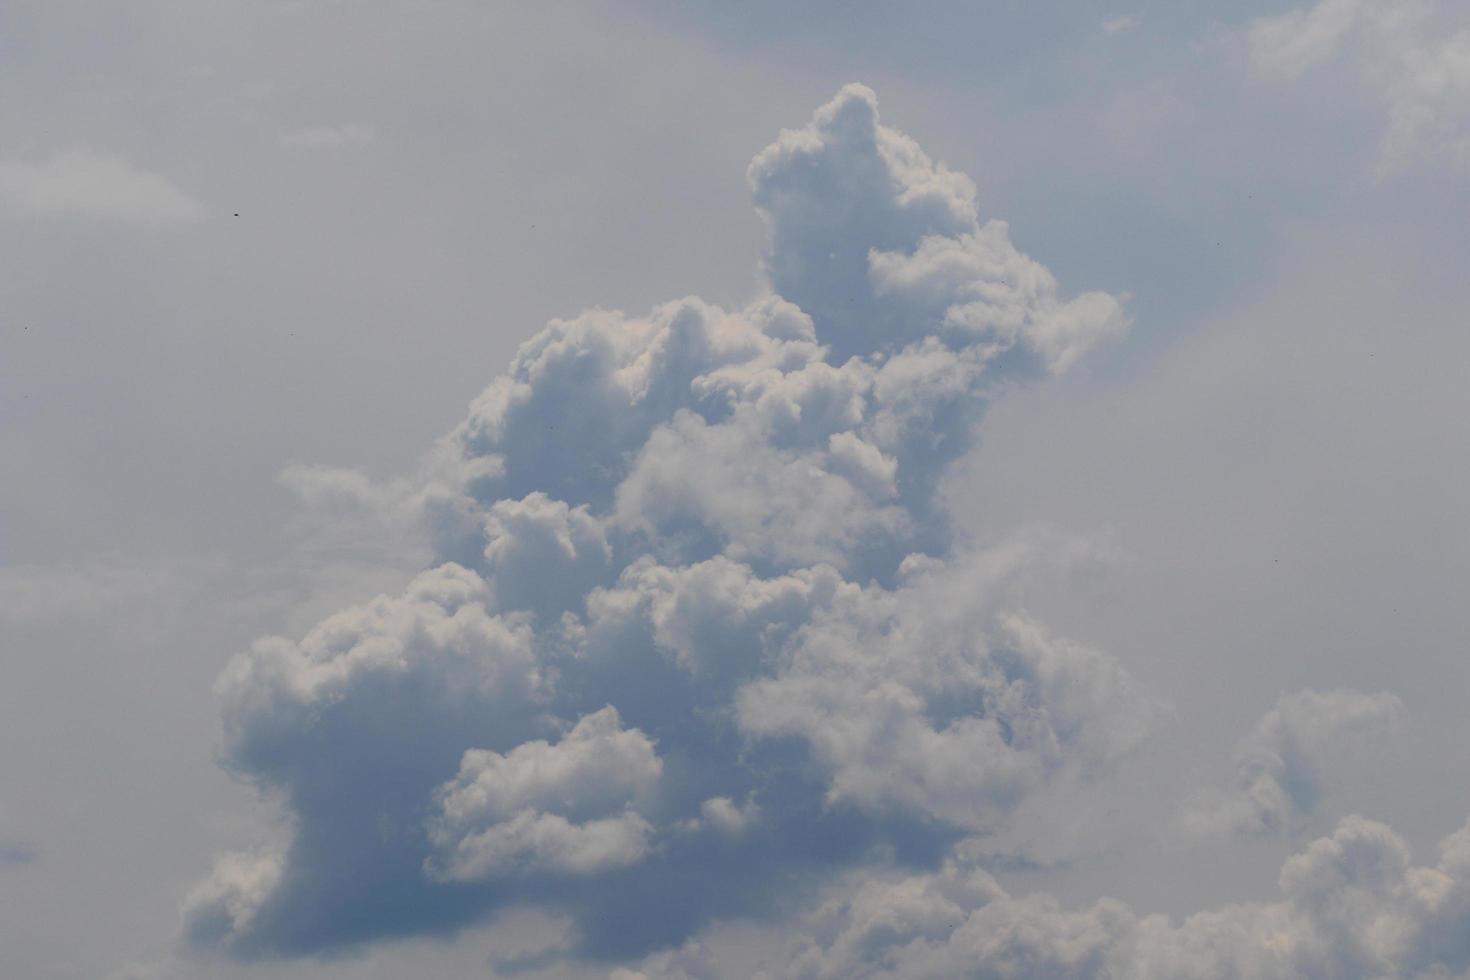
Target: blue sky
x=988 y=501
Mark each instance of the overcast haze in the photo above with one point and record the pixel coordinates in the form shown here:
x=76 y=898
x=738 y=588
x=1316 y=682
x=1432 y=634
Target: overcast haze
x=662 y=491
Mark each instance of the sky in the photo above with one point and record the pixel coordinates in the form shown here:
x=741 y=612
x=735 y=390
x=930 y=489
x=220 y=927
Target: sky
x=661 y=491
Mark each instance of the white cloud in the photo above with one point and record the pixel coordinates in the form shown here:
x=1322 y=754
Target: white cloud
x=437 y=640
x=716 y=531
x=331 y=137
x=882 y=246
x=981 y=285
x=938 y=697
x=728 y=817
x=1286 y=45
x=1352 y=905
x=1279 y=765
x=35 y=594
x=95 y=186
x=1411 y=52
x=503 y=813
x=714 y=617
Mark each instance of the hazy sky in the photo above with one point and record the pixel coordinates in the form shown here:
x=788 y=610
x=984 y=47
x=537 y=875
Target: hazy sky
x=711 y=490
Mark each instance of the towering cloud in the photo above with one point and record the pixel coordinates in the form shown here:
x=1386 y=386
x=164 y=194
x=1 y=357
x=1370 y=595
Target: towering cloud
x=697 y=636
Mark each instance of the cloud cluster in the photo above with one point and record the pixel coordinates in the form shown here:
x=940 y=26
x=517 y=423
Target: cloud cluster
x=1279 y=764
x=1409 y=49
x=697 y=634
x=1352 y=905
x=505 y=812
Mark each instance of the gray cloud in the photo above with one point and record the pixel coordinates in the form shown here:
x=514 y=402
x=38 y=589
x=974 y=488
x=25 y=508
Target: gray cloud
x=1280 y=764
x=698 y=605
x=505 y=811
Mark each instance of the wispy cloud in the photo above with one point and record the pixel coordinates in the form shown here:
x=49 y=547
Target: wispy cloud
x=331 y=137
x=1281 y=764
x=94 y=185
x=1411 y=53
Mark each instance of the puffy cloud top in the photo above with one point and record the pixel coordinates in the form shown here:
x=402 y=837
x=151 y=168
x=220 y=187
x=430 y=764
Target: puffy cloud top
x=697 y=634
x=881 y=246
x=502 y=811
x=1352 y=905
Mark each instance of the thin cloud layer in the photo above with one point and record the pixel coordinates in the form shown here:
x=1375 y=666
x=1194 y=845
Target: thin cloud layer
x=1413 y=51
x=698 y=636
x=94 y=185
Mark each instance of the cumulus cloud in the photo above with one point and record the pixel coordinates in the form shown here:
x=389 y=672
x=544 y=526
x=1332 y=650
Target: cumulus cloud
x=870 y=236
x=508 y=811
x=1279 y=765
x=929 y=697
x=697 y=633
x=1352 y=905
x=94 y=185
x=727 y=816
x=1413 y=52
x=226 y=903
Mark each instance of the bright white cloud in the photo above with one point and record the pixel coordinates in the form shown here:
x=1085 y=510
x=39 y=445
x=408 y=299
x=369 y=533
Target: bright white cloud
x=884 y=247
x=223 y=906
x=94 y=186
x=936 y=697
x=505 y=812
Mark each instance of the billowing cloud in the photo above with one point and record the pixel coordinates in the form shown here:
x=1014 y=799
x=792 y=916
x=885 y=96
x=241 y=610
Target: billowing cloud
x=1416 y=54
x=1279 y=765
x=96 y=186
x=1352 y=905
x=697 y=634
x=869 y=234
